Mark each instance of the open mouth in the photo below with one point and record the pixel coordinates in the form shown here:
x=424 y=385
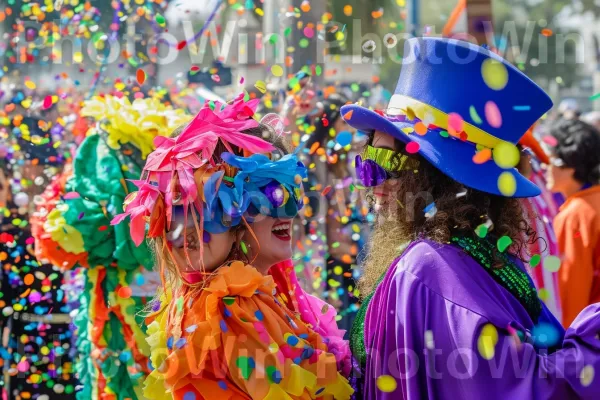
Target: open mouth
x=281 y=231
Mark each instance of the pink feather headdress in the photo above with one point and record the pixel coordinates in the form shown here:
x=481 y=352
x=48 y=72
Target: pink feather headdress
x=175 y=173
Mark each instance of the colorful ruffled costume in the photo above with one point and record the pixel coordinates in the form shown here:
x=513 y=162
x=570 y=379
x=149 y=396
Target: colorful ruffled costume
x=233 y=333
x=77 y=231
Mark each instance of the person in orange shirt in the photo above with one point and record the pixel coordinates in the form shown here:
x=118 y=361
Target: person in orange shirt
x=575 y=172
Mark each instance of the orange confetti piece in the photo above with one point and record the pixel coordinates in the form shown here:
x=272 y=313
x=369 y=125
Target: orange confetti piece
x=124 y=292
x=348 y=115
x=420 y=128
x=482 y=156
x=377 y=14
x=313 y=148
x=28 y=279
x=547 y=32
x=141 y=76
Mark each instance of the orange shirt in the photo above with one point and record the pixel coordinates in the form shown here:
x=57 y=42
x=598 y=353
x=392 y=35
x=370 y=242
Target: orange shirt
x=577 y=228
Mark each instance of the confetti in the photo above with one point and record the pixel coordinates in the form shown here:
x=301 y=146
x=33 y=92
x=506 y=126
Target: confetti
x=506 y=155
x=277 y=70
x=535 y=260
x=552 y=263
x=503 y=243
x=586 y=376
x=486 y=343
x=495 y=74
x=595 y=97
x=474 y=116
x=412 y=147
x=482 y=156
x=348 y=10
x=492 y=114
x=420 y=128
x=507 y=184
x=140 y=76
x=261 y=86
x=47 y=102
x=386 y=383
x=550 y=141
x=124 y=292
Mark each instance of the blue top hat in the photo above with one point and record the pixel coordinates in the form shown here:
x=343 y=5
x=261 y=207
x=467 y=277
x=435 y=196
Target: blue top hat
x=454 y=99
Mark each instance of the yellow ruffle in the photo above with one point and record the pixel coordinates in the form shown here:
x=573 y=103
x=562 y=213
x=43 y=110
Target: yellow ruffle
x=65 y=235
x=137 y=123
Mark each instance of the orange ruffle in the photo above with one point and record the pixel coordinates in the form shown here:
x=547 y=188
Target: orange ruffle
x=234 y=340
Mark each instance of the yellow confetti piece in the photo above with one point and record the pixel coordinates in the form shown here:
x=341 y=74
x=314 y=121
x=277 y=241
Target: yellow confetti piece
x=30 y=85
x=259 y=11
x=506 y=155
x=507 y=184
x=386 y=383
x=486 y=342
x=261 y=86
x=586 y=376
x=494 y=73
x=277 y=70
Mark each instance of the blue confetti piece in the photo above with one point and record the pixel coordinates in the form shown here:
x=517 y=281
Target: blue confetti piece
x=170 y=343
x=223 y=385
x=259 y=315
x=180 y=343
x=522 y=108
x=223 y=326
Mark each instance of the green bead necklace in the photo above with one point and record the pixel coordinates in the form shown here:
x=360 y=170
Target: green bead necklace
x=510 y=276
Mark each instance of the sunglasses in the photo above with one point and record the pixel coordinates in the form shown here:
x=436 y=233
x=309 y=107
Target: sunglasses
x=376 y=165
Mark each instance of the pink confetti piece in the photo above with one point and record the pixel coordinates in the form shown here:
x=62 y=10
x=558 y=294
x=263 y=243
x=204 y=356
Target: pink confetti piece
x=493 y=115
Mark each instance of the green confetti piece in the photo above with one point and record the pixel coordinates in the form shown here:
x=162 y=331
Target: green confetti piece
x=535 y=260
x=287 y=32
x=246 y=366
x=273 y=39
x=335 y=245
x=304 y=43
x=474 y=116
x=595 y=97
x=244 y=248
x=132 y=62
x=179 y=304
x=503 y=243
x=159 y=19
x=444 y=134
x=481 y=231
x=552 y=263
x=318 y=70
x=228 y=300
x=543 y=294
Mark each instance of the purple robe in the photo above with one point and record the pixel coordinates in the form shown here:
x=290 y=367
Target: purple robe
x=423 y=328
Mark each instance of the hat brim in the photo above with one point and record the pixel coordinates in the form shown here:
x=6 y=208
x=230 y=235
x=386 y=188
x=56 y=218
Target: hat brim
x=450 y=155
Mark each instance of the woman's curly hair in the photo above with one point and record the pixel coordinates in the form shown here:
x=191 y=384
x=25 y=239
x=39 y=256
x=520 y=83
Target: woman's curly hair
x=460 y=211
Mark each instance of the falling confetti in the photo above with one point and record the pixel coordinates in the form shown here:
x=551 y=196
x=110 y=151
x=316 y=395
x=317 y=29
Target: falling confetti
x=386 y=383
x=506 y=155
x=412 y=147
x=277 y=70
x=482 y=156
x=552 y=263
x=492 y=114
x=486 y=343
x=503 y=243
x=586 y=376
x=535 y=260
x=140 y=76
x=507 y=184
x=495 y=74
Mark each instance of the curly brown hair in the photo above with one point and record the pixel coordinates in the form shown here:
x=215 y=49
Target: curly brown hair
x=460 y=211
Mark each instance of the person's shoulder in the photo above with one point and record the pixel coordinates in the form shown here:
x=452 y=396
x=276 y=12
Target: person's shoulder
x=421 y=256
x=578 y=213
